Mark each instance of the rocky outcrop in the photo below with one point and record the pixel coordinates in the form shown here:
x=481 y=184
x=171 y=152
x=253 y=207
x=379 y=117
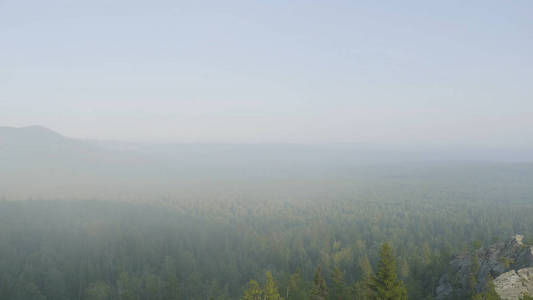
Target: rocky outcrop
x=513 y=284
x=509 y=263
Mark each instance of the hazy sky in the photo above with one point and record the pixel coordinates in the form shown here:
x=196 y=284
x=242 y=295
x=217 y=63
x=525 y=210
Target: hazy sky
x=385 y=72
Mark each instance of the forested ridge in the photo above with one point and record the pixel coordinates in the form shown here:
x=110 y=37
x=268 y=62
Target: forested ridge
x=211 y=248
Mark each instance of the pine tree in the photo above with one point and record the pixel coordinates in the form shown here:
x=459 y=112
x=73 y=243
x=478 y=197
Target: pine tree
x=404 y=269
x=385 y=284
x=364 y=266
x=271 y=290
x=296 y=288
x=253 y=292
x=472 y=281
x=360 y=289
x=338 y=288
x=320 y=289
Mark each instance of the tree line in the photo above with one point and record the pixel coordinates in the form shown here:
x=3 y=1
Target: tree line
x=383 y=285
x=211 y=247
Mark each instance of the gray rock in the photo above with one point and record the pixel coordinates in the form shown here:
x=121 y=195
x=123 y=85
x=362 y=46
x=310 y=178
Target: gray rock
x=513 y=284
x=496 y=260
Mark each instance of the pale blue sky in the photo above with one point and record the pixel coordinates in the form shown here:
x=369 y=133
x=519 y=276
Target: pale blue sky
x=381 y=72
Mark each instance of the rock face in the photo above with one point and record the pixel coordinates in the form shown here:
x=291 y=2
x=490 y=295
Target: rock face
x=513 y=284
x=509 y=263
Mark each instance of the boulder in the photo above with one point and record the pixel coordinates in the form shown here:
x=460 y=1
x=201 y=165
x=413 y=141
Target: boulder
x=513 y=284
x=493 y=261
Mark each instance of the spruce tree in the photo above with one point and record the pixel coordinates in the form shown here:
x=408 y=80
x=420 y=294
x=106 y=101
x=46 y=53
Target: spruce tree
x=271 y=290
x=360 y=289
x=385 y=284
x=320 y=289
x=296 y=288
x=253 y=292
x=338 y=288
x=472 y=280
x=365 y=268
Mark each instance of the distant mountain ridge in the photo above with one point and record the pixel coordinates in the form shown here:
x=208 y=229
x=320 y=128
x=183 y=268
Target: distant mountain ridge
x=38 y=162
x=43 y=140
x=29 y=134
x=282 y=152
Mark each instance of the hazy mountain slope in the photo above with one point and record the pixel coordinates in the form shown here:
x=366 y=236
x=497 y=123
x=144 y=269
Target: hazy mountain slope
x=36 y=161
x=39 y=163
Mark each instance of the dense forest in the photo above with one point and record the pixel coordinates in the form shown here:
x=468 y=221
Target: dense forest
x=312 y=240
x=266 y=150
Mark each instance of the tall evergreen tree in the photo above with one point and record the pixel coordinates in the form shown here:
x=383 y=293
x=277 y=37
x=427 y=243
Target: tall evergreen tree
x=472 y=280
x=360 y=290
x=271 y=291
x=253 y=292
x=385 y=284
x=296 y=288
x=338 y=290
x=320 y=288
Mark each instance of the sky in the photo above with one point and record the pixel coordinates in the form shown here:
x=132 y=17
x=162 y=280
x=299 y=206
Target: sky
x=420 y=73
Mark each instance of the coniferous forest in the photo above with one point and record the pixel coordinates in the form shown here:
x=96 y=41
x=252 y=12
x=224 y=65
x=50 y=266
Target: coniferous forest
x=266 y=150
x=386 y=235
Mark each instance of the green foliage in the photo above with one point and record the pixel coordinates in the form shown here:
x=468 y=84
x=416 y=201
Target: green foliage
x=320 y=288
x=27 y=291
x=128 y=287
x=253 y=292
x=472 y=280
x=209 y=246
x=338 y=285
x=490 y=292
x=526 y=297
x=507 y=262
x=364 y=266
x=54 y=284
x=404 y=269
x=270 y=290
x=385 y=284
x=169 y=274
x=361 y=290
x=476 y=244
x=98 y=291
x=297 y=288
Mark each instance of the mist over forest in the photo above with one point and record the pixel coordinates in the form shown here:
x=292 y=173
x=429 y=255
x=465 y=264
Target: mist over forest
x=266 y=150
x=86 y=219
x=40 y=163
